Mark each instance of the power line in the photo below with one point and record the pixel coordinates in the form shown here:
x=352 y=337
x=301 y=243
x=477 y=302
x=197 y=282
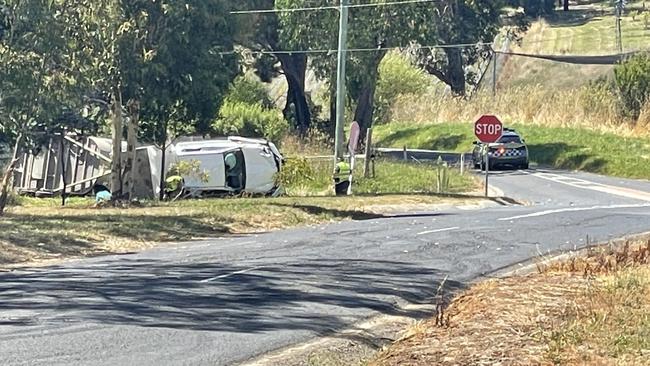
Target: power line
x=330 y=7
x=332 y=51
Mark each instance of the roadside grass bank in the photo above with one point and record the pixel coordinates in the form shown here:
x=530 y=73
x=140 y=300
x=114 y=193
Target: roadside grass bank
x=40 y=230
x=565 y=148
x=586 y=106
x=590 y=310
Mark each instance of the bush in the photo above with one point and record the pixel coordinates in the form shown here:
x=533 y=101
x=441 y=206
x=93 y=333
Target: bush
x=247 y=89
x=633 y=84
x=397 y=77
x=295 y=171
x=250 y=120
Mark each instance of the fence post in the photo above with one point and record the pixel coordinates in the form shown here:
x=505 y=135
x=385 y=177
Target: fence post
x=462 y=163
x=406 y=155
x=366 y=163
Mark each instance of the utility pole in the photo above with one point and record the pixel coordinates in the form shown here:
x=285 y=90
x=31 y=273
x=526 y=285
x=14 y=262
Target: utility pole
x=339 y=139
x=495 y=59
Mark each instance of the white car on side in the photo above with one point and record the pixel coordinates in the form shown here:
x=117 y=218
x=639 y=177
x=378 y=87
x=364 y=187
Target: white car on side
x=233 y=165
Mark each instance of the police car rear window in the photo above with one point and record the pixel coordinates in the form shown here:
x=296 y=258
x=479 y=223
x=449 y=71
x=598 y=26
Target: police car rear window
x=510 y=139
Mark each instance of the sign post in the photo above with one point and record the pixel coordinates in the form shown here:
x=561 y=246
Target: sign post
x=488 y=129
x=355 y=132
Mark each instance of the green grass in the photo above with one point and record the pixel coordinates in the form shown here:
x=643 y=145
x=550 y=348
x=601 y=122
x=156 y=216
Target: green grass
x=391 y=178
x=568 y=148
x=587 y=29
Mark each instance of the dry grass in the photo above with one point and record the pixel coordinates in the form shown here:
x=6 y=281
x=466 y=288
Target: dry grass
x=43 y=232
x=585 y=107
x=591 y=311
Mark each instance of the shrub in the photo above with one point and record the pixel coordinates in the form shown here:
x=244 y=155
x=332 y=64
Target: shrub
x=397 y=77
x=633 y=84
x=294 y=171
x=250 y=120
x=247 y=89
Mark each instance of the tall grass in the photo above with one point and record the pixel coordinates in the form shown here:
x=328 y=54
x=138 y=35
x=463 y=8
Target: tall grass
x=590 y=106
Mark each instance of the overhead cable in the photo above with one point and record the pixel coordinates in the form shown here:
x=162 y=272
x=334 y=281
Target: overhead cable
x=334 y=51
x=330 y=7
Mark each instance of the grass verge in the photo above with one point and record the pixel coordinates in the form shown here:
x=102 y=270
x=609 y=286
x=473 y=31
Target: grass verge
x=567 y=148
x=40 y=230
x=593 y=310
x=391 y=178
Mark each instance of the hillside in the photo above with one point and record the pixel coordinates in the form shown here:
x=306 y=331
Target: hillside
x=588 y=29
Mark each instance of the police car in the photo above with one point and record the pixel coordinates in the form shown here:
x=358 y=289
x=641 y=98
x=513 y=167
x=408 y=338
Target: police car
x=509 y=151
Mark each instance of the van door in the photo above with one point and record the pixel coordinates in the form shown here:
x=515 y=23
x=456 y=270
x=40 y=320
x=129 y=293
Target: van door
x=235 y=170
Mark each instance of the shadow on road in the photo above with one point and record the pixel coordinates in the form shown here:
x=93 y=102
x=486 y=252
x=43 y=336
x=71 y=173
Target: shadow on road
x=219 y=297
x=358 y=215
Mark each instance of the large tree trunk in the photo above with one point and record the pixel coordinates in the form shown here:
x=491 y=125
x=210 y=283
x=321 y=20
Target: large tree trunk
x=455 y=74
x=131 y=141
x=366 y=102
x=8 y=175
x=332 y=107
x=116 y=130
x=295 y=70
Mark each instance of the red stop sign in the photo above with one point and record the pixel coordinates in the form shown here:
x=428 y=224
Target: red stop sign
x=488 y=129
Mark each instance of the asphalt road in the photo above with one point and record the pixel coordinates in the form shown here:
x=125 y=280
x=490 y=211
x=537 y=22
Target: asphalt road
x=225 y=301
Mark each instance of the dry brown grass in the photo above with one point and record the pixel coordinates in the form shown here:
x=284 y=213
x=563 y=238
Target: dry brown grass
x=591 y=311
x=585 y=107
x=42 y=231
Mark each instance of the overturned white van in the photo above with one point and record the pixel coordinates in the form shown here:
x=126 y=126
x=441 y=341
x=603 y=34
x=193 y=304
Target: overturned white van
x=252 y=165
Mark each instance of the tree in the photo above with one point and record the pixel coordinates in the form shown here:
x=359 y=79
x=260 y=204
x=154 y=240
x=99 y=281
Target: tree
x=185 y=69
x=372 y=28
x=417 y=25
x=261 y=32
x=41 y=80
x=458 y=29
x=163 y=65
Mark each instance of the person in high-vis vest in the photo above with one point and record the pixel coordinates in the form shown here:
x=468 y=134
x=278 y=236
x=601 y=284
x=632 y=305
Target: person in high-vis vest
x=342 y=173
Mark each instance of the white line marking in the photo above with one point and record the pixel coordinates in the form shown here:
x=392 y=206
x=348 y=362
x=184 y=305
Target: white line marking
x=231 y=274
x=573 y=209
x=438 y=230
x=585 y=184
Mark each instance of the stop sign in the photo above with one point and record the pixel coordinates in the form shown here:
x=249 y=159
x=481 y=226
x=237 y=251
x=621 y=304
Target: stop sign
x=488 y=129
